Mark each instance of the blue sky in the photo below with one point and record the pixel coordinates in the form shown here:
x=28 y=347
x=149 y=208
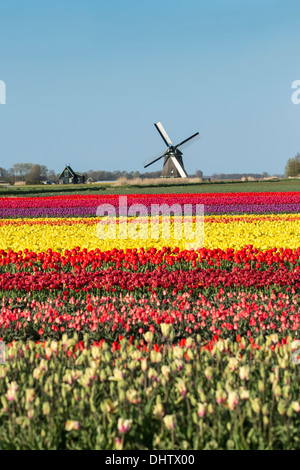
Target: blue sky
x=86 y=81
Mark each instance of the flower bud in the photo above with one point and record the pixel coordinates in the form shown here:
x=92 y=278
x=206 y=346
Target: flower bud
x=118 y=374
x=286 y=391
x=165 y=370
x=124 y=425
x=274 y=338
x=96 y=352
x=30 y=413
x=132 y=365
x=155 y=356
x=29 y=395
x=170 y=421
x=281 y=407
x=277 y=391
x=210 y=409
x=230 y=444
x=46 y=408
x=220 y=396
x=181 y=387
x=158 y=410
x=261 y=386
x=102 y=375
x=108 y=407
x=12 y=391
x=296 y=406
x=144 y=364
x=118 y=443
x=244 y=372
x=166 y=329
x=255 y=403
x=232 y=400
x=201 y=411
x=133 y=396
x=208 y=373
x=148 y=337
x=152 y=374
x=272 y=377
x=178 y=352
x=178 y=364
x=232 y=363
x=72 y=425
x=189 y=368
x=244 y=394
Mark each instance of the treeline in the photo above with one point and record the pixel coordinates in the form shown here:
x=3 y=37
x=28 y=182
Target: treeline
x=35 y=173
x=238 y=176
x=31 y=173
x=101 y=175
x=115 y=175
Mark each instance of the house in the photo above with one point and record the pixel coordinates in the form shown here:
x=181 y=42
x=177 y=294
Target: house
x=90 y=180
x=68 y=176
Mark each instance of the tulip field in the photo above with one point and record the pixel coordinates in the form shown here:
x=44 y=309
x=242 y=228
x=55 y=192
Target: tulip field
x=133 y=343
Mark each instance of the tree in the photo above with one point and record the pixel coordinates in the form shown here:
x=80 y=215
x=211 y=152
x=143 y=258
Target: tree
x=52 y=175
x=199 y=174
x=20 y=170
x=37 y=173
x=3 y=174
x=134 y=174
x=293 y=166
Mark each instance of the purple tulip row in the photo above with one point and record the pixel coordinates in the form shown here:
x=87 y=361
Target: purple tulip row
x=91 y=211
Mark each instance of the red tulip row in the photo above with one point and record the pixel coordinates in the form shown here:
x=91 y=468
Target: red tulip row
x=129 y=258
x=69 y=201
x=111 y=279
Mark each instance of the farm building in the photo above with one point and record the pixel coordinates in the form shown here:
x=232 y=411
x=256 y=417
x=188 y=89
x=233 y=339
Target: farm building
x=68 y=176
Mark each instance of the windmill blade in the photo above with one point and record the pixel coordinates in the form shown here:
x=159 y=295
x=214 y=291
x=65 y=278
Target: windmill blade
x=191 y=139
x=189 y=142
x=154 y=159
x=179 y=168
x=163 y=133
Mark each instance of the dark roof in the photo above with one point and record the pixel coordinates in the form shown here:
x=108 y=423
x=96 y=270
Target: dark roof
x=71 y=171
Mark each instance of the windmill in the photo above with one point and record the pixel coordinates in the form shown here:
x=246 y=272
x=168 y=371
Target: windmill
x=173 y=164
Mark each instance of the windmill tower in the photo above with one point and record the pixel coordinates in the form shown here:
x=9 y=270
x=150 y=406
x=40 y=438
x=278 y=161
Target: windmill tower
x=173 y=163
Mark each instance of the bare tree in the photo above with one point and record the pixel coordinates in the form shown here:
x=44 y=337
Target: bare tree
x=19 y=170
x=37 y=174
x=3 y=174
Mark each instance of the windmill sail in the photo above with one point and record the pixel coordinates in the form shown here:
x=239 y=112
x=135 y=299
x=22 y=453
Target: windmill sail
x=189 y=140
x=179 y=168
x=163 y=133
x=154 y=159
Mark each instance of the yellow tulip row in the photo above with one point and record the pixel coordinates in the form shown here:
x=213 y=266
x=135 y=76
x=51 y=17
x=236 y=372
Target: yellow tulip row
x=261 y=231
